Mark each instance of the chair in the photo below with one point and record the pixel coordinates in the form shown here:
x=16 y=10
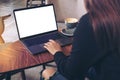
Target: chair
x=2 y=27
x=7 y=76
x=32 y=3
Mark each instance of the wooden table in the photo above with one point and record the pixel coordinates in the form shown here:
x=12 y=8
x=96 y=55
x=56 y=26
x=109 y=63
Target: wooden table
x=15 y=56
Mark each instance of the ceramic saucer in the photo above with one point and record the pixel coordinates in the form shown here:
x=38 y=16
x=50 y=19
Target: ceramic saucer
x=68 y=32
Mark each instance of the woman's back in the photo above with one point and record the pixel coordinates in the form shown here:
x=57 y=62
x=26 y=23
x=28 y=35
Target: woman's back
x=105 y=20
x=109 y=67
x=107 y=64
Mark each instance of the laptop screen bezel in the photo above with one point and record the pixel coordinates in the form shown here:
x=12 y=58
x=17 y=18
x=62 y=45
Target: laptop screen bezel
x=32 y=8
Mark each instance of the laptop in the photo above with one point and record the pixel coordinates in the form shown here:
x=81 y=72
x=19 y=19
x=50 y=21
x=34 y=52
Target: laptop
x=36 y=25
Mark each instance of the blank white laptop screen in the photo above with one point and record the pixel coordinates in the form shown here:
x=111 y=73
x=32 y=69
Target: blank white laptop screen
x=35 y=21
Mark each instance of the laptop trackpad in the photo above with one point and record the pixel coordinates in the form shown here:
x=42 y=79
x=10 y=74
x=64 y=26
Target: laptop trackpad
x=37 y=48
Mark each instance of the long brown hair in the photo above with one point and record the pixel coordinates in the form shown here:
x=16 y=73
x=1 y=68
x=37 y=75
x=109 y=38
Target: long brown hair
x=105 y=18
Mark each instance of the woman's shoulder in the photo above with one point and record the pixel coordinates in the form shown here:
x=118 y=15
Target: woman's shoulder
x=84 y=25
x=85 y=17
x=84 y=20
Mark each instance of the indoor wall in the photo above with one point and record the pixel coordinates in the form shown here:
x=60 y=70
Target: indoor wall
x=68 y=8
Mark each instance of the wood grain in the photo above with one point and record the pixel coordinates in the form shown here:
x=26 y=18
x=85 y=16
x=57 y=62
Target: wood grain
x=14 y=56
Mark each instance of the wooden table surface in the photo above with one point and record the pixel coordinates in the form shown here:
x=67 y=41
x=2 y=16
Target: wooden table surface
x=15 y=56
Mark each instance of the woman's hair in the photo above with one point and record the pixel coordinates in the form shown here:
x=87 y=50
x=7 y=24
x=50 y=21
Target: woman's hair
x=105 y=18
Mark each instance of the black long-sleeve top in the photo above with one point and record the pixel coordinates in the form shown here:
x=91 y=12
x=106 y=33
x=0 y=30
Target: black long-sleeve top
x=84 y=54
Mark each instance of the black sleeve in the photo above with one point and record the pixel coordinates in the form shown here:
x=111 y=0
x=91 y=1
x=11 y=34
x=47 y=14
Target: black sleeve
x=84 y=50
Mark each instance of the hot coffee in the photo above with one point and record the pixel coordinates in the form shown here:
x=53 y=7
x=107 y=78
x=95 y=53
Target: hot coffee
x=71 y=23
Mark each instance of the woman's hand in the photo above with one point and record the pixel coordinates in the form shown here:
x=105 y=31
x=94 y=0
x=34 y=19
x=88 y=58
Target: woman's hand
x=52 y=47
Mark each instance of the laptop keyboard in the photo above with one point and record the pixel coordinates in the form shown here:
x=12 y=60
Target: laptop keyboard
x=35 y=45
x=43 y=39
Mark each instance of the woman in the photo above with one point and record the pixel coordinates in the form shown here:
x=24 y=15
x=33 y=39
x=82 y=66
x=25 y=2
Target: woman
x=96 y=43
